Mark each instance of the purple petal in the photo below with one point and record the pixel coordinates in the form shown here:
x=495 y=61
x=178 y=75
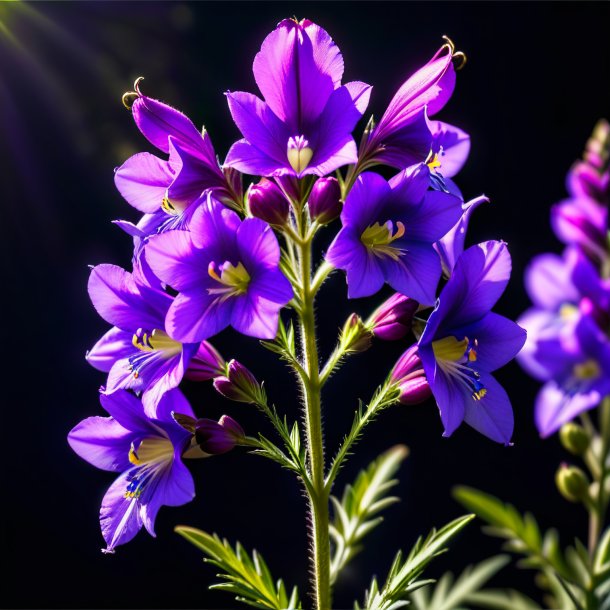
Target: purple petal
x=492 y=415
x=143 y=180
x=248 y=159
x=127 y=410
x=499 y=341
x=257 y=244
x=102 y=442
x=214 y=228
x=548 y=282
x=120 y=518
x=293 y=83
x=271 y=285
x=554 y=407
x=416 y=273
x=254 y=316
x=114 y=345
x=197 y=315
x=157 y=121
x=452 y=145
x=116 y=298
x=173 y=401
x=259 y=125
x=362 y=204
x=364 y=274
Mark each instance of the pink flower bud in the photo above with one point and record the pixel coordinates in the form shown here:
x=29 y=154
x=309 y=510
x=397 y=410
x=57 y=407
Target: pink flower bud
x=267 y=202
x=409 y=376
x=238 y=384
x=325 y=200
x=393 y=319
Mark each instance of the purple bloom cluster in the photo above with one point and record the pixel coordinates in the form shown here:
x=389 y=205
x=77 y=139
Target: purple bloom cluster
x=207 y=257
x=568 y=345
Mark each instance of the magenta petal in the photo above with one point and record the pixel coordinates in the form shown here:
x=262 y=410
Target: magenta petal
x=102 y=442
x=326 y=54
x=143 y=180
x=548 y=282
x=114 y=345
x=493 y=414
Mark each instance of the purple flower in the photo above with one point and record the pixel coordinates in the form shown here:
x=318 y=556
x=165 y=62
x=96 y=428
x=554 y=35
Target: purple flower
x=325 y=200
x=146 y=452
x=137 y=352
x=463 y=342
x=164 y=189
x=451 y=245
x=304 y=125
x=404 y=136
x=561 y=288
x=226 y=272
x=578 y=373
x=388 y=232
x=267 y=202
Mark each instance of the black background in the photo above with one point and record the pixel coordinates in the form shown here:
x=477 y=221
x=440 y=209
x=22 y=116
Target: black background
x=537 y=79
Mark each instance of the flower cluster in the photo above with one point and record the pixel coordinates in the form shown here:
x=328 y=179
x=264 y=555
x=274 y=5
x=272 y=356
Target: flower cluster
x=568 y=345
x=209 y=255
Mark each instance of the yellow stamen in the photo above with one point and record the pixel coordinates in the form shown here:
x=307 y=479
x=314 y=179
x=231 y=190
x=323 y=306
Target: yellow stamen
x=586 y=371
x=378 y=238
x=234 y=278
x=299 y=158
x=449 y=348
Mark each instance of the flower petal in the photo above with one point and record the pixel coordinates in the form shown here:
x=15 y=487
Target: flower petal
x=257 y=244
x=114 y=345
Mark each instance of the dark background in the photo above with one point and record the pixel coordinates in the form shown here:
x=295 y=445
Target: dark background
x=537 y=79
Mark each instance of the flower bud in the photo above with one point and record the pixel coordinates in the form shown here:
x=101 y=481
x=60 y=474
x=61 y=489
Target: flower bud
x=325 y=200
x=574 y=438
x=572 y=483
x=239 y=384
x=206 y=364
x=267 y=202
x=216 y=437
x=409 y=377
x=392 y=320
x=355 y=337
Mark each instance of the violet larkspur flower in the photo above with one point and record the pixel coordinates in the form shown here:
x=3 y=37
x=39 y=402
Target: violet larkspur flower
x=304 y=125
x=226 y=272
x=164 y=189
x=404 y=135
x=388 y=232
x=463 y=342
x=578 y=372
x=147 y=452
x=393 y=319
x=137 y=352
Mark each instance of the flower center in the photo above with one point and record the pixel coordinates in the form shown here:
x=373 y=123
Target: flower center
x=586 y=371
x=378 y=237
x=148 y=454
x=170 y=207
x=299 y=153
x=234 y=279
x=456 y=359
x=157 y=344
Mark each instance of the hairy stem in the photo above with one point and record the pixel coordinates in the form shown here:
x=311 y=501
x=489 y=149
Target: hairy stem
x=318 y=496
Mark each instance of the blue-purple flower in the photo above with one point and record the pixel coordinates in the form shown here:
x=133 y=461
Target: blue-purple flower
x=305 y=122
x=137 y=352
x=164 y=189
x=147 y=454
x=464 y=342
x=577 y=374
x=388 y=232
x=226 y=272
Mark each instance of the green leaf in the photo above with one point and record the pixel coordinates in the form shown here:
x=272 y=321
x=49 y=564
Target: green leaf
x=451 y=594
x=403 y=576
x=248 y=578
x=354 y=514
x=522 y=533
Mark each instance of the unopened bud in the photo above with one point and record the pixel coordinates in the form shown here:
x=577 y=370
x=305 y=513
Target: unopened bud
x=574 y=438
x=572 y=483
x=206 y=364
x=239 y=384
x=216 y=437
x=355 y=337
x=267 y=202
x=325 y=200
x=393 y=319
x=409 y=377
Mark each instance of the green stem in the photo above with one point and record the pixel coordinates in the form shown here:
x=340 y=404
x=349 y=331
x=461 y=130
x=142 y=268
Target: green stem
x=597 y=512
x=318 y=496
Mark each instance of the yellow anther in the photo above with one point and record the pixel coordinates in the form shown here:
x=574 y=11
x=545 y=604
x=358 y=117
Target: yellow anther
x=450 y=349
x=586 y=371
